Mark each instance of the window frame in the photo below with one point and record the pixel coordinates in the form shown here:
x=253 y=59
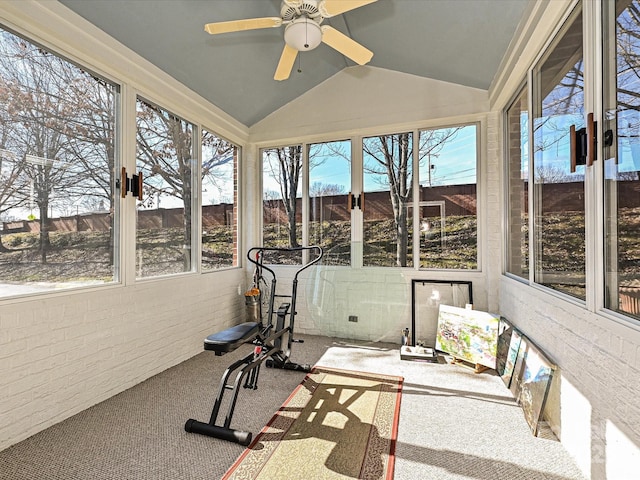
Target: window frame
x=480 y=188
x=237 y=203
x=523 y=89
x=307 y=202
x=595 y=231
x=126 y=82
x=410 y=252
x=116 y=225
x=357 y=185
x=302 y=186
x=195 y=244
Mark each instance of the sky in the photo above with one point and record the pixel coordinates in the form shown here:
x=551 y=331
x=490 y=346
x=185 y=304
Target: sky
x=455 y=164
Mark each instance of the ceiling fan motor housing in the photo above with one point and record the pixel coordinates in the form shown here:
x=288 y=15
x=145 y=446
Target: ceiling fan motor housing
x=293 y=9
x=303 y=24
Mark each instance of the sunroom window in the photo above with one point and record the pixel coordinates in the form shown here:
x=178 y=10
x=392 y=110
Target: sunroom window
x=559 y=186
x=448 y=197
x=329 y=214
x=282 y=198
x=165 y=157
x=517 y=238
x=58 y=135
x=219 y=193
x=388 y=186
x=622 y=158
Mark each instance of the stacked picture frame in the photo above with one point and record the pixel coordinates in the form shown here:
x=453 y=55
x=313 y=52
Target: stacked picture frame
x=426 y=298
x=525 y=370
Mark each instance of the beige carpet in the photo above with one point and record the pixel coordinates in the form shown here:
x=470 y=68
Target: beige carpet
x=336 y=424
x=454 y=424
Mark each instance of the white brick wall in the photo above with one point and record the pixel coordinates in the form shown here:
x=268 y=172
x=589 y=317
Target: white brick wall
x=593 y=405
x=491 y=216
x=62 y=354
x=379 y=297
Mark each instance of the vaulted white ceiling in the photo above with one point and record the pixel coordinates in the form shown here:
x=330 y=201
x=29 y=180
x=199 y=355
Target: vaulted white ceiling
x=456 y=41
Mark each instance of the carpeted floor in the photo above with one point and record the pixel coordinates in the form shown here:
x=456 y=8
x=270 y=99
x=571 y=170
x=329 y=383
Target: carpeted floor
x=454 y=424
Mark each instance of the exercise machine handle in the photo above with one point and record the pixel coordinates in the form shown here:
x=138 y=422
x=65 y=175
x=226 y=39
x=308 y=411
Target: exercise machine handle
x=315 y=250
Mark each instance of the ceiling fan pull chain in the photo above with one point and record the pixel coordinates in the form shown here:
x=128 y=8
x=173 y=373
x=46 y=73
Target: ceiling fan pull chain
x=306 y=35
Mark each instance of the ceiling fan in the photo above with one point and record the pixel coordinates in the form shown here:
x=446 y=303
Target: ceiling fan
x=303 y=30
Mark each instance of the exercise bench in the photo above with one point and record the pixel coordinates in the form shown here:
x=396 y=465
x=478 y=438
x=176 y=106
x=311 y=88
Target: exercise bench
x=268 y=343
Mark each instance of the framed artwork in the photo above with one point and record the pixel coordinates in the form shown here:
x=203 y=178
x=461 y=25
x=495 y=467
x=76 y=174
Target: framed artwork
x=516 y=377
x=469 y=335
x=426 y=298
x=511 y=357
x=504 y=337
x=534 y=382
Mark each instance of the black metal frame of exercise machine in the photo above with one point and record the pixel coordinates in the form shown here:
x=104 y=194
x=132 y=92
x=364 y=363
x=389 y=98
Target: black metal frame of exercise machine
x=267 y=339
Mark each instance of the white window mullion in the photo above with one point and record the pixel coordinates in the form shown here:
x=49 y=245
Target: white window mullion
x=305 y=201
x=415 y=186
x=594 y=221
x=196 y=199
x=530 y=179
x=128 y=203
x=357 y=217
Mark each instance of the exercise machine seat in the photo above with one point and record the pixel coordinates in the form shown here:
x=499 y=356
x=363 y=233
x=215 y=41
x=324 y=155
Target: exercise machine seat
x=231 y=338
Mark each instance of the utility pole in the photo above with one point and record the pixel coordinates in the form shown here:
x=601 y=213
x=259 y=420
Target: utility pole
x=430 y=166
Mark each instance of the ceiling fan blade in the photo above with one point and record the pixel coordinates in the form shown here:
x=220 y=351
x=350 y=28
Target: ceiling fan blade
x=345 y=45
x=331 y=8
x=285 y=65
x=239 y=25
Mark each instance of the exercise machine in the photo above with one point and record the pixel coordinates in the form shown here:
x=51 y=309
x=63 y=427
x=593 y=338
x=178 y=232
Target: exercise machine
x=267 y=336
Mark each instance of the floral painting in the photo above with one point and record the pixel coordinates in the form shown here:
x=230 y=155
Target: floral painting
x=469 y=335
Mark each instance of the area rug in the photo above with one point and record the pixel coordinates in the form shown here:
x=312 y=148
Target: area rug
x=336 y=424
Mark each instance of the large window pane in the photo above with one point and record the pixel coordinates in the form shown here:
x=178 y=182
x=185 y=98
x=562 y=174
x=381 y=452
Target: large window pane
x=164 y=221
x=559 y=205
x=388 y=229
x=57 y=157
x=219 y=202
x=447 y=203
x=282 y=198
x=517 y=187
x=329 y=215
x=622 y=160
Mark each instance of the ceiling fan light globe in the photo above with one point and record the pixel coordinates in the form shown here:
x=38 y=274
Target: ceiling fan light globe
x=303 y=34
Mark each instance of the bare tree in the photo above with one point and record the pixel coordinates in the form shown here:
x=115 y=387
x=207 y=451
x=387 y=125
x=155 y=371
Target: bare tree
x=319 y=189
x=285 y=167
x=34 y=91
x=389 y=158
x=10 y=174
x=91 y=132
x=551 y=174
x=220 y=154
x=11 y=169
x=627 y=75
x=165 y=157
